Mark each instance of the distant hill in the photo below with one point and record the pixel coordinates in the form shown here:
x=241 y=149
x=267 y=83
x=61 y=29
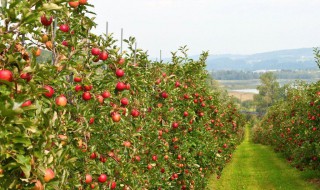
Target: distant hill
x=290 y=59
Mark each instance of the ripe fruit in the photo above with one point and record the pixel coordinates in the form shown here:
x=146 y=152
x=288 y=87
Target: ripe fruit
x=185 y=114
x=154 y=158
x=93 y=155
x=38 y=185
x=103 y=55
x=113 y=185
x=87 y=87
x=64 y=28
x=162 y=170
x=26 y=76
x=126 y=143
x=175 y=125
x=119 y=73
x=164 y=95
x=102 y=178
x=121 y=86
x=100 y=99
x=124 y=101
x=49 y=175
x=26 y=103
x=82 y=2
x=135 y=113
x=91 y=120
x=78 y=88
x=6 y=75
x=61 y=100
x=95 y=51
x=65 y=43
x=77 y=79
x=74 y=4
x=137 y=158
x=88 y=178
x=36 y=52
x=116 y=117
x=177 y=84
x=149 y=166
x=86 y=96
x=45 y=21
x=121 y=61
x=49 y=45
x=106 y=94
x=50 y=92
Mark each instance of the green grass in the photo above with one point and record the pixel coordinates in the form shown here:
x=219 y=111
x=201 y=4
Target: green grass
x=255 y=167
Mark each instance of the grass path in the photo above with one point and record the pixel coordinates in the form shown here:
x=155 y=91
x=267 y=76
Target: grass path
x=255 y=167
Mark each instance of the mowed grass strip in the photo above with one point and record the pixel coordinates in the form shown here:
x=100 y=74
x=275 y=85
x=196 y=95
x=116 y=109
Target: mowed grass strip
x=255 y=167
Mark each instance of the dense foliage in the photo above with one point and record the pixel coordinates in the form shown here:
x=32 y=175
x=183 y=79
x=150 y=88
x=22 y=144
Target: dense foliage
x=95 y=118
x=292 y=126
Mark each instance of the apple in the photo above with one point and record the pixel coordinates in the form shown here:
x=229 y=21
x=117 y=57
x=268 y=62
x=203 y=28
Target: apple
x=137 y=158
x=65 y=43
x=48 y=175
x=102 y=178
x=154 y=158
x=119 y=73
x=38 y=185
x=116 y=117
x=164 y=95
x=99 y=98
x=121 y=61
x=44 y=38
x=26 y=76
x=185 y=114
x=26 y=103
x=45 y=21
x=88 y=179
x=36 y=52
x=82 y=2
x=77 y=79
x=49 y=45
x=95 y=51
x=106 y=94
x=162 y=170
x=64 y=28
x=177 y=84
x=74 y=4
x=121 y=86
x=124 y=101
x=175 y=125
x=113 y=185
x=126 y=143
x=87 y=87
x=78 y=88
x=135 y=113
x=86 y=96
x=50 y=92
x=93 y=156
x=128 y=86
x=61 y=100
x=149 y=166
x=91 y=120
x=179 y=157
x=6 y=75
x=103 y=55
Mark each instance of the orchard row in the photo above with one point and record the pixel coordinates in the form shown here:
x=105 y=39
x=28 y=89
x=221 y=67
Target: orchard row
x=93 y=118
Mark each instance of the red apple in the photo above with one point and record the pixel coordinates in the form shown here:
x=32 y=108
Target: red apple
x=6 y=75
x=149 y=166
x=65 y=43
x=102 y=178
x=82 y=2
x=86 y=96
x=49 y=175
x=93 y=156
x=124 y=101
x=116 y=117
x=87 y=87
x=177 y=84
x=61 y=100
x=175 y=125
x=78 y=88
x=135 y=113
x=74 y=4
x=119 y=73
x=126 y=143
x=121 y=61
x=88 y=179
x=154 y=158
x=95 y=51
x=26 y=103
x=106 y=94
x=26 y=76
x=103 y=56
x=137 y=158
x=91 y=120
x=100 y=99
x=77 y=79
x=64 y=28
x=45 y=21
x=185 y=114
x=50 y=92
x=164 y=95
x=113 y=185
x=121 y=86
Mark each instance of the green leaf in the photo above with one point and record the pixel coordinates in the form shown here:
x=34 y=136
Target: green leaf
x=25 y=164
x=23 y=140
x=51 y=6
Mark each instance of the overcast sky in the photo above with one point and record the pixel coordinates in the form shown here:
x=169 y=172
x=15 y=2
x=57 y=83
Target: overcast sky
x=220 y=26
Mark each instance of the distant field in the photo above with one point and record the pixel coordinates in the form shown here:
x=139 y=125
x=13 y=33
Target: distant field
x=242 y=96
x=252 y=84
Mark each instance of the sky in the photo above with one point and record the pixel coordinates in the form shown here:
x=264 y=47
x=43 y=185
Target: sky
x=217 y=26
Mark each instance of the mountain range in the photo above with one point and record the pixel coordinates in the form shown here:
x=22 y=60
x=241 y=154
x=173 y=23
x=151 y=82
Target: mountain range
x=290 y=59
